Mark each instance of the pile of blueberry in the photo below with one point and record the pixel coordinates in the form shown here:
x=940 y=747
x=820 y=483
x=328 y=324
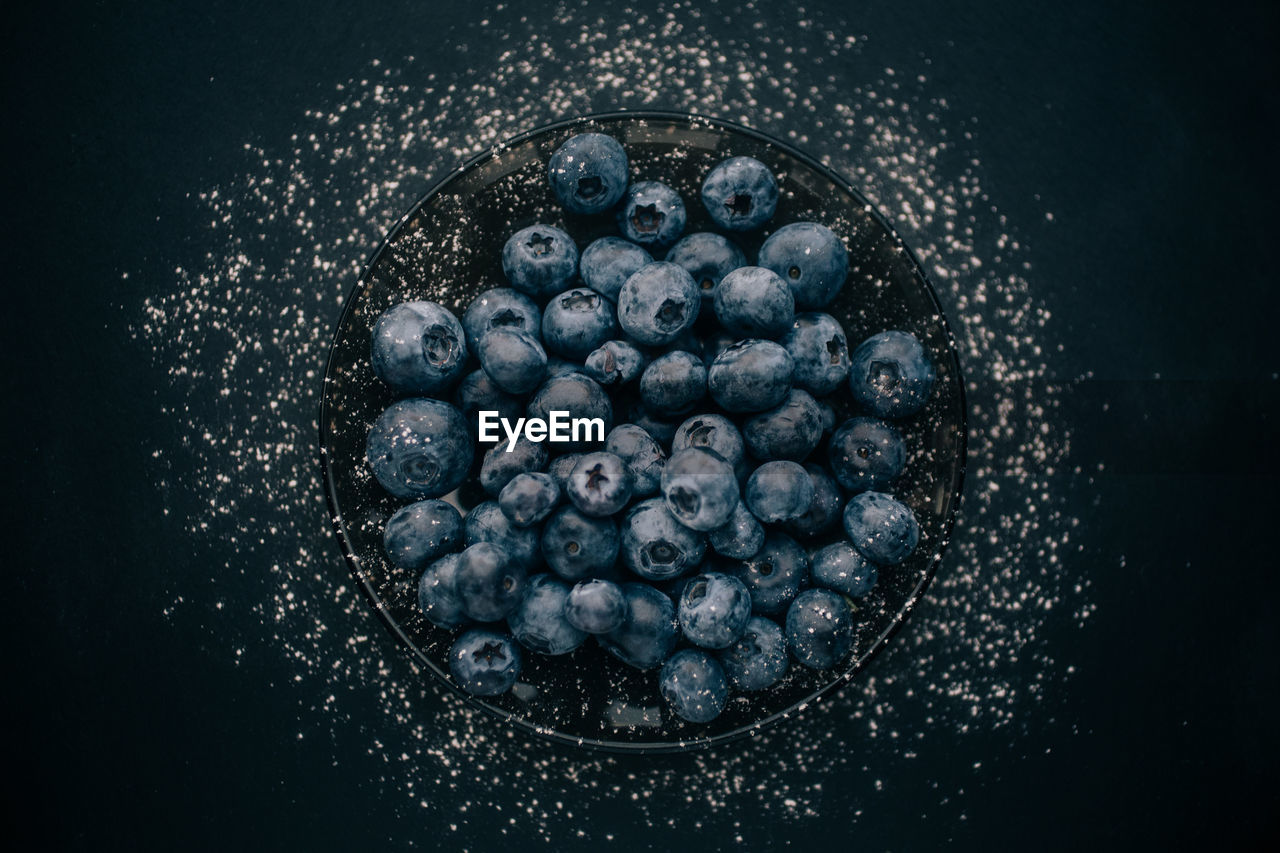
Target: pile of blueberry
x=678 y=540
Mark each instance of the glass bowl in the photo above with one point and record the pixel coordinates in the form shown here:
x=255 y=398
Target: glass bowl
x=447 y=248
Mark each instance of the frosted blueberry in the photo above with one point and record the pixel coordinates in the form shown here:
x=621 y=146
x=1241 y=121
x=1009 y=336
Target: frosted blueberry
x=758 y=658
x=651 y=214
x=419 y=348
x=753 y=302
x=891 y=375
x=656 y=546
x=866 y=454
x=714 y=609
x=839 y=566
x=419 y=448
x=539 y=260
x=421 y=532
x=658 y=303
x=484 y=662
x=883 y=529
x=819 y=628
x=700 y=488
x=694 y=685
x=810 y=258
x=740 y=194
x=438 y=593
x=588 y=173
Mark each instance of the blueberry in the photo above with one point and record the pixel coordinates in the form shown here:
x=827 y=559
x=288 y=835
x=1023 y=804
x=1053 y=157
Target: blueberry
x=561 y=467
x=607 y=263
x=710 y=432
x=419 y=448
x=596 y=606
x=673 y=383
x=647 y=633
x=539 y=622
x=819 y=628
x=891 y=375
x=820 y=351
x=810 y=258
x=421 y=532
x=658 y=303
x=513 y=359
x=539 y=260
x=883 y=529
x=484 y=662
x=774 y=574
x=753 y=302
x=577 y=546
x=576 y=322
x=738 y=538
x=656 y=546
x=866 y=454
x=487 y=523
x=599 y=484
x=642 y=455
x=694 y=685
x=438 y=593
x=714 y=609
x=792 y=430
x=758 y=658
x=750 y=376
x=708 y=258
x=528 y=498
x=588 y=173
x=501 y=307
x=779 y=491
x=477 y=393
x=652 y=214
x=839 y=566
x=582 y=397
x=824 y=511
x=740 y=194
x=501 y=464
x=419 y=348
x=615 y=363
x=488 y=582
x=700 y=488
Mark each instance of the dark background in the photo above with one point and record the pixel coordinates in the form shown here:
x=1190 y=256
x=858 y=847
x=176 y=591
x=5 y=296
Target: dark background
x=1147 y=128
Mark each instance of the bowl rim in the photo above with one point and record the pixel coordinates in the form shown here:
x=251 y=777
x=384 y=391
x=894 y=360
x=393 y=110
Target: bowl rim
x=364 y=580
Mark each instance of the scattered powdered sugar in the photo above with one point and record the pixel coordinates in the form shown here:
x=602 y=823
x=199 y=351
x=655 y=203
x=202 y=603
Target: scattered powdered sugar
x=244 y=331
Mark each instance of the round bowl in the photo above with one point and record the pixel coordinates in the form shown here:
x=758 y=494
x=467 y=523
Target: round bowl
x=447 y=248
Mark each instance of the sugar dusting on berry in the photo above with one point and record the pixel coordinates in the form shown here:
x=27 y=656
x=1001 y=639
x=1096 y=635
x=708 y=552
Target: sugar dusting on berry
x=247 y=326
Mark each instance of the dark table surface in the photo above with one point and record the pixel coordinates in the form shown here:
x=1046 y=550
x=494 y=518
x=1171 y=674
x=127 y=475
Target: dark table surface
x=184 y=677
